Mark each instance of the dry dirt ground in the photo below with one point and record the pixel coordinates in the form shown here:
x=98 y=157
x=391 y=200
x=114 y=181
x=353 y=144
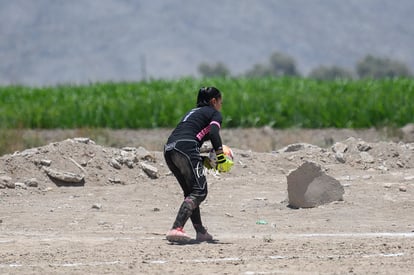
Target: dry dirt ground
x=114 y=220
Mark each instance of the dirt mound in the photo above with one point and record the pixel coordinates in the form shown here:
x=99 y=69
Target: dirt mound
x=355 y=153
x=80 y=161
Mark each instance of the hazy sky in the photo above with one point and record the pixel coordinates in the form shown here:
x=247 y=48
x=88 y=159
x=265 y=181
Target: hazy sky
x=54 y=41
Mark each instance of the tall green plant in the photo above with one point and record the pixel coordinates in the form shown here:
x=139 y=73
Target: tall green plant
x=278 y=102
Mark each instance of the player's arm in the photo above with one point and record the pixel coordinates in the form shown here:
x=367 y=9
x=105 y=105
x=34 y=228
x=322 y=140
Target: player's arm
x=224 y=164
x=215 y=137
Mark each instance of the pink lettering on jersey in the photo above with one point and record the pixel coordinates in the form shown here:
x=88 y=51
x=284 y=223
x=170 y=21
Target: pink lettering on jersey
x=206 y=130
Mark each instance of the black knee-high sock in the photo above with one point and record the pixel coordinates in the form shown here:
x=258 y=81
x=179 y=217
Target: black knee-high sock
x=183 y=214
x=196 y=220
x=195 y=216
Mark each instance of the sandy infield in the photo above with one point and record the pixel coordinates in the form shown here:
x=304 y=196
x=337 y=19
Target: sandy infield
x=114 y=220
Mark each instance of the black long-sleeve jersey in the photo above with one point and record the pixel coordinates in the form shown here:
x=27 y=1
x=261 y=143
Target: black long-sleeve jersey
x=199 y=124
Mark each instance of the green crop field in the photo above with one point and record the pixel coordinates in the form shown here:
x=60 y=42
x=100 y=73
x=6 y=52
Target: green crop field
x=275 y=102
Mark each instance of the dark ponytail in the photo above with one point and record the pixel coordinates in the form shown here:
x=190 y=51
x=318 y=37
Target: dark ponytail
x=206 y=94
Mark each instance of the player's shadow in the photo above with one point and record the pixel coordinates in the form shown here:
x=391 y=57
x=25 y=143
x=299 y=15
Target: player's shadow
x=193 y=242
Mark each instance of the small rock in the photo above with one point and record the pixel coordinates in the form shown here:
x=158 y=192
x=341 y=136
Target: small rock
x=294 y=147
x=5 y=181
x=245 y=154
x=366 y=158
x=64 y=176
x=47 y=189
x=115 y=181
x=129 y=163
x=11 y=185
x=114 y=163
x=382 y=168
x=260 y=199
x=128 y=156
x=31 y=182
x=297 y=147
x=84 y=140
x=42 y=162
x=403 y=188
x=144 y=154
x=129 y=149
x=104 y=224
x=150 y=170
x=363 y=146
x=339 y=147
x=340 y=157
x=45 y=162
x=20 y=185
x=97 y=206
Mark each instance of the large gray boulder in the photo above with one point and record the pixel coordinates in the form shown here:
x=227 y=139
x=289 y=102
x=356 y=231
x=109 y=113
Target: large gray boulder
x=308 y=186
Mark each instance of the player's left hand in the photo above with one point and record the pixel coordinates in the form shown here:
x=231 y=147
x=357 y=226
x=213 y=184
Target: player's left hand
x=224 y=164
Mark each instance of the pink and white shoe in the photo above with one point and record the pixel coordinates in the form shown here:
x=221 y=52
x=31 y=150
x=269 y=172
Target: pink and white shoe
x=177 y=235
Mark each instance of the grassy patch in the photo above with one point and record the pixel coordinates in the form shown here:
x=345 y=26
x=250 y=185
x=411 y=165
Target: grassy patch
x=276 y=102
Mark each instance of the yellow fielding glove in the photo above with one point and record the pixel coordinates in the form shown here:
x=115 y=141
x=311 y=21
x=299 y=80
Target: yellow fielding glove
x=224 y=164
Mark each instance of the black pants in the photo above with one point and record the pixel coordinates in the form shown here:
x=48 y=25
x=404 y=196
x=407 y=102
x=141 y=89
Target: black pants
x=184 y=160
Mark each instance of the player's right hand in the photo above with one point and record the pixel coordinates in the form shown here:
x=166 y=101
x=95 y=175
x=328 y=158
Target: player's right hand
x=207 y=162
x=224 y=164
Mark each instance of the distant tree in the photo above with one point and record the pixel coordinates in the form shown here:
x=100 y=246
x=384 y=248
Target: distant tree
x=377 y=67
x=215 y=70
x=282 y=65
x=259 y=70
x=330 y=73
x=279 y=65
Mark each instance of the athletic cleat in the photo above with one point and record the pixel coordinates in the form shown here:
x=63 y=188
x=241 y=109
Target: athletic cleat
x=204 y=237
x=177 y=235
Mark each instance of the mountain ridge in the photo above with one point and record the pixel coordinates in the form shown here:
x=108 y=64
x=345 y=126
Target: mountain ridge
x=47 y=42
